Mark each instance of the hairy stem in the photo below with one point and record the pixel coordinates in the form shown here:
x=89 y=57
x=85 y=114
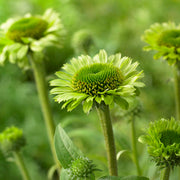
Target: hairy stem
x=20 y=163
x=165 y=173
x=104 y=116
x=135 y=155
x=177 y=91
x=39 y=74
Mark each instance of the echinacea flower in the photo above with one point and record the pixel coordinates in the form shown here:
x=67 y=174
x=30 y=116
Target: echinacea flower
x=82 y=41
x=163 y=140
x=165 y=40
x=21 y=35
x=11 y=139
x=95 y=80
x=81 y=168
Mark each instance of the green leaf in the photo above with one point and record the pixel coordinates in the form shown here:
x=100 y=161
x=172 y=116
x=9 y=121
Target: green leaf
x=120 y=153
x=143 y=139
x=134 y=178
x=124 y=178
x=64 y=175
x=65 y=149
x=110 y=178
x=121 y=102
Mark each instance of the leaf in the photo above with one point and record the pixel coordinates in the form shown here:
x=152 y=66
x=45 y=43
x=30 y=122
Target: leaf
x=52 y=171
x=110 y=178
x=64 y=174
x=124 y=178
x=120 y=153
x=134 y=178
x=65 y=149
x=121 y=102
x=143 y=139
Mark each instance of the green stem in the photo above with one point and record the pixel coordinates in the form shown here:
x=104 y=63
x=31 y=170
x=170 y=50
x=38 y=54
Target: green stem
x=104 y=116
x=20 y=163
x=177 y=91
x=133 y=134
x=165 y=173
x=39 y=74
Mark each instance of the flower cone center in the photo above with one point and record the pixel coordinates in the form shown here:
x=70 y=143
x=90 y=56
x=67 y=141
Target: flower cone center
x=32 y=27
x=97 y=78
x=170 y=38
x=170 y=137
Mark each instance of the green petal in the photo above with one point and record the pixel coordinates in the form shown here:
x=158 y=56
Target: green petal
x=87 y=104
x=22 y=52
x=121 y=102
x=102 y=56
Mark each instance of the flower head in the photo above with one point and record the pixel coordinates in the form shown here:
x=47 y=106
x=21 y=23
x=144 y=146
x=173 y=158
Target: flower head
x=82 y=41
x=11 y=139
x=163 y=140
x=29 y=34
x=165 y=39
x=93 y=80
x=81 y=168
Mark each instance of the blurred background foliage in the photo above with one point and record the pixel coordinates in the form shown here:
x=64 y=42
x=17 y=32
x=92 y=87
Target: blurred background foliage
x=116 y=26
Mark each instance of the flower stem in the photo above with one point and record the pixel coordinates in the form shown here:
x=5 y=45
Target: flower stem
x=20 y=163
x=104 y=116
x=165 y=173
x=133 y=134
x=177 y=91
x=39 y=74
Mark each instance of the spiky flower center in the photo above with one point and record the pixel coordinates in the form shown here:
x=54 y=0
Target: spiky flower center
x=81 y=167
x=170 y=38
x=97 y=78
x=170 y=137
x=32 y=27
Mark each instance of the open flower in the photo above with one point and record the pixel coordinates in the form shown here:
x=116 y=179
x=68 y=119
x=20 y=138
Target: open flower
x=29 y=34
x=163 y=140
x=11 y=139
x=165 y=39
x=93 y=80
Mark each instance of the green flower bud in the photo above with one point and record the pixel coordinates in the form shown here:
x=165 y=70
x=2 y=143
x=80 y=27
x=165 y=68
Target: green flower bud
x=82 y=41
x=81 y=169
x=11 y=139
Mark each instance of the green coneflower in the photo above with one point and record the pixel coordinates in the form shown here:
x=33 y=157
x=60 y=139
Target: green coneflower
x=165 y=39
x=163 y=140
x=29 y=34
x=100 y=81
x=95 y=80
x=82 y=169
x=11 y=139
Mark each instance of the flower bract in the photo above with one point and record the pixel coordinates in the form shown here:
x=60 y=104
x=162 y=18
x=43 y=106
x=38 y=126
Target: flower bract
x=21 y=35
x=163 y=140
x=165 y=40
x=11 y=139
x=93 y=80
